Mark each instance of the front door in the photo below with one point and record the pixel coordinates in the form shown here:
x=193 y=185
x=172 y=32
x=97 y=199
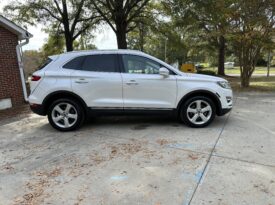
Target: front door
x=144 y=87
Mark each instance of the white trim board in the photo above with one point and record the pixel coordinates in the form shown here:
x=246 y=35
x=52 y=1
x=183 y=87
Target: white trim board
x=5 y=103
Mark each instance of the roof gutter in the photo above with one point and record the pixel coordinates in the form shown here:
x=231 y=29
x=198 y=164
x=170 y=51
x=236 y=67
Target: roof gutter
x=20 y=65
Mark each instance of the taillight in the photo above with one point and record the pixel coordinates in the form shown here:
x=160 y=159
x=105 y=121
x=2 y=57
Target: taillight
x=35 y=78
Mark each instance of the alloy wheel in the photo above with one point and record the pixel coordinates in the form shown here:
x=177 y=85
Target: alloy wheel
x=64 y=115
x=199 y=112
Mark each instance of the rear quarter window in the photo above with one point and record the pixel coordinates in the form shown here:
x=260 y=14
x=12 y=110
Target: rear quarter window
x=47 y=62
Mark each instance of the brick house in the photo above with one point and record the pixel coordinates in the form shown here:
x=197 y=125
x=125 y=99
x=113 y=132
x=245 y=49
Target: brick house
x=12 y=82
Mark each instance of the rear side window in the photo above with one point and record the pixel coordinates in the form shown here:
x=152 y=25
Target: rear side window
x=100 y=63
x=75 y=64
x=45 y=64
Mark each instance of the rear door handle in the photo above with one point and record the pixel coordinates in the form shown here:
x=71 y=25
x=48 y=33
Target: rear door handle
x=132 y=82
x=81 y=81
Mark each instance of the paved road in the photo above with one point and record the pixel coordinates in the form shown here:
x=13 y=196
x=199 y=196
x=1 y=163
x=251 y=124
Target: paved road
x=143 y=160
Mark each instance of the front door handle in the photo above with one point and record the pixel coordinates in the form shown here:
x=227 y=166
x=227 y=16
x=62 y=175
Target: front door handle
x=132 y=82
x=81 y=81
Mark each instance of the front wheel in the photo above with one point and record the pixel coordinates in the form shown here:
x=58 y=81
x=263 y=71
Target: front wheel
x=65 y=115
x=198 y=111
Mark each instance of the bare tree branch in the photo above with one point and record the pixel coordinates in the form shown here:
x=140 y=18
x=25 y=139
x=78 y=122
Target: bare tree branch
x=58 y=7
x=137 y=12
x=77 y=15
x=104 y=16
x=51 y=14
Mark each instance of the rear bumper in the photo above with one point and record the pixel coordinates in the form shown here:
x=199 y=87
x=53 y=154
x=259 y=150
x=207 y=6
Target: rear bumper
x=224 y=111
x=38 y=109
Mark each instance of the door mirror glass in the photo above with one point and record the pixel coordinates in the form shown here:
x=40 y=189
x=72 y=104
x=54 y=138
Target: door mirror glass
x=164 y=72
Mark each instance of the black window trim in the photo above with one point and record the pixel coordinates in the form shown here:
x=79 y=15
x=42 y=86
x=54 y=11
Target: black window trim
x=43 y=65
x=122 y=68
x=117 y=64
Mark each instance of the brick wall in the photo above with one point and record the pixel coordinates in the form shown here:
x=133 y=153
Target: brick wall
x=10 y=82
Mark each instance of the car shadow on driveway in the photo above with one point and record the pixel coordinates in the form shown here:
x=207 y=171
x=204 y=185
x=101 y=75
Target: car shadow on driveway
x=143 y=122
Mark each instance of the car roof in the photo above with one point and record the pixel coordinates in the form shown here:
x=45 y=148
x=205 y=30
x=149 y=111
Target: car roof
x=104 y=51
x=112 y=51
x=92 y=52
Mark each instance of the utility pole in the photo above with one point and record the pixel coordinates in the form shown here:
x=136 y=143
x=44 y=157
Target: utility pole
x=268 y=62
x=165 y=50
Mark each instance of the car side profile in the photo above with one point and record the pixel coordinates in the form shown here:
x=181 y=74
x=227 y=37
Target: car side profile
x=72 y=86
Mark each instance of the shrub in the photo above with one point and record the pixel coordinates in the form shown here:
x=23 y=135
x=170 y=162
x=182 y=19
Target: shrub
x=207 y=72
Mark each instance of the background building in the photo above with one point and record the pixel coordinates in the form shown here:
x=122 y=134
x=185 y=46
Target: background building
x=12 y=82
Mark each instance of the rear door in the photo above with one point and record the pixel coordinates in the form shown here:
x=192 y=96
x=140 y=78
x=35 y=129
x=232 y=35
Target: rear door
x=98 y=81
x=144 y=87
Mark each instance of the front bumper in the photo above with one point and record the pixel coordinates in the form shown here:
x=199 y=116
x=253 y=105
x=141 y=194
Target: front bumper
x=224 y=111
x=226 y=101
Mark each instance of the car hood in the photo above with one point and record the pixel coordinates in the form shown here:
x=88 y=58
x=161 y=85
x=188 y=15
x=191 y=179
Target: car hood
x=204 y=77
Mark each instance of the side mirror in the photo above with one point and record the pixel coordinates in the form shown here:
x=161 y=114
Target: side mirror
x=164 y=72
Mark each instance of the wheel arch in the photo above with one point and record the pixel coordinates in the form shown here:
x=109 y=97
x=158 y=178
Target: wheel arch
x=213 y=96
x=63 y=94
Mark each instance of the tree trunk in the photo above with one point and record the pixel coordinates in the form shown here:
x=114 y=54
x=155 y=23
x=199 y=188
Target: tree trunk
x=121 y=36
x=141 y=36
x=69 y=43
x=245 y=77
x=221 y=56
x=179 y=63
x=67 y=32
x=245 y=82
x=248 y=62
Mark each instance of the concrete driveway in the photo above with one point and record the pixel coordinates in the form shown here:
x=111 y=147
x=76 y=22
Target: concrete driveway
x=143 y=160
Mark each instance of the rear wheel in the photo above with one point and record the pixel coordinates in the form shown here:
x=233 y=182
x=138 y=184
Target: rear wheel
x=198 y=111
x=65 y=115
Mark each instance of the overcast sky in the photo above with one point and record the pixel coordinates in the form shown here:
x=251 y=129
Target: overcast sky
x=105 y=39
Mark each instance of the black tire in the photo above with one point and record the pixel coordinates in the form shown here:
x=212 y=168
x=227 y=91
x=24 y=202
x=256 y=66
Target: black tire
x=184 y=116
x=76 y=108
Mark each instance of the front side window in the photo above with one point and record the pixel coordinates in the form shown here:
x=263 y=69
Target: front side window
x=100 y=63
x=140 y=65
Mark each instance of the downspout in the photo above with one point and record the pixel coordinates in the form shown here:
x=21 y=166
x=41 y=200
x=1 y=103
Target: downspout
x=20 y=64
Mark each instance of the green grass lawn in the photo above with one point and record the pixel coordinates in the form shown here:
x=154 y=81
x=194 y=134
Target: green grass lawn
x=236 y=70
x=260 y=84
x=257 y=83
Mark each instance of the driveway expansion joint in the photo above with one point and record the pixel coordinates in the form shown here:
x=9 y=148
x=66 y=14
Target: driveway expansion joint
x=209 y=158
x=242 y=160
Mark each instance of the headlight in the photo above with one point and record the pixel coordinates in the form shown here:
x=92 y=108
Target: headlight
x=224 y=84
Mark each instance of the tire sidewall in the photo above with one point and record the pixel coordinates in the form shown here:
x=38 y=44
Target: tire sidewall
x=183 y=111
x=79 y=111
